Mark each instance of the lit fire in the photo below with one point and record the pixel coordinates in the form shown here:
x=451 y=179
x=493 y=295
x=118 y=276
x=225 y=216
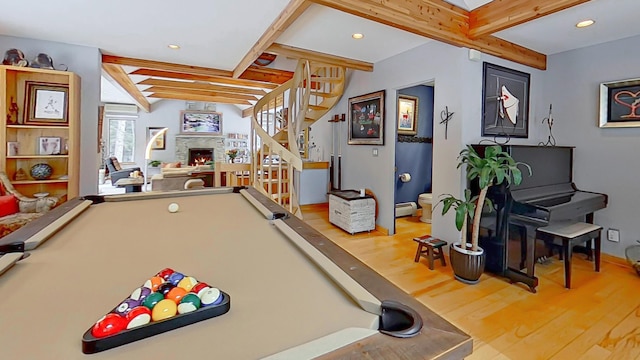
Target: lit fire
x=200 y=161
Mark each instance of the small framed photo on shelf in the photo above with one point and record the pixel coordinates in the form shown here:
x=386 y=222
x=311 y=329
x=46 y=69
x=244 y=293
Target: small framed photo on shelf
x=12 y=148
x=49 y=145
x=46 y=104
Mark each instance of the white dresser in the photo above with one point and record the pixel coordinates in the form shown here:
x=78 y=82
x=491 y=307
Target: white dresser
x=351 y=212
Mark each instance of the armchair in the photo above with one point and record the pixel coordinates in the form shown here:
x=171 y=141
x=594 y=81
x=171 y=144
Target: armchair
x=116 y=172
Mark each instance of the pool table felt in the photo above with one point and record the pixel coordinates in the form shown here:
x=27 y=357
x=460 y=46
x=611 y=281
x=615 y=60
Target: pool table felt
x=133 y=259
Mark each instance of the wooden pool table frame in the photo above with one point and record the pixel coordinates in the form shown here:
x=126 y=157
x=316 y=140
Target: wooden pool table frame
x=438 y=339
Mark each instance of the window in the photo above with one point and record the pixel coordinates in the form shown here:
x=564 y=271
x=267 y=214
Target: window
x=122 y=142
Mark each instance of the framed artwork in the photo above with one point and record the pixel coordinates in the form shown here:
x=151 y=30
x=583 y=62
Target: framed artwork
x=366 y=119
x=46 y=104
x=407 y=115
x=13 y=148
x=620 y=103
x=159 y=144
x=49 y=145
x=505 y=102
x=200 y=122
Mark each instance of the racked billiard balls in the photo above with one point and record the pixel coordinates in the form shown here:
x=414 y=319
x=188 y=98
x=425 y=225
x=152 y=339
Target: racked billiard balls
x=190 y=302
x=188 y=283
x=165 y=273
x=164 y=309
x=176 y=294
x=175 y=278
x=199 y=287
x=140 y=293
x=138 y=316
x=153 y=298
x=211 y=296
x=154 y=283
x=165 y=288
x=126 y=306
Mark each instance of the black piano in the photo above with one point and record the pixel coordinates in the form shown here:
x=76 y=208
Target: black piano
x=507 y=233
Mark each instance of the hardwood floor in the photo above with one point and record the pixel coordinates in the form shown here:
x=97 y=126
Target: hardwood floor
x=599 y=318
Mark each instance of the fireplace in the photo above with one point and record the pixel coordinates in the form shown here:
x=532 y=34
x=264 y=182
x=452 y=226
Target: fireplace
x=200 y=156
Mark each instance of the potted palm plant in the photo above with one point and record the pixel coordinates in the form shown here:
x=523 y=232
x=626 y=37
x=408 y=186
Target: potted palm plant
x=494 y=168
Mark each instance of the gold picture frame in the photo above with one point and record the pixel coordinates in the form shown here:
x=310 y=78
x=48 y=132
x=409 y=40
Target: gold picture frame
x=407 y=115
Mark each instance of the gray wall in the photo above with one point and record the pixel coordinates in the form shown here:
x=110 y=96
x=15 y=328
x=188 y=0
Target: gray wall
x=86 y=62
x=606 y=160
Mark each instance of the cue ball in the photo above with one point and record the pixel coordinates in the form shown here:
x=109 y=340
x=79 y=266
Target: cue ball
x=173 y=207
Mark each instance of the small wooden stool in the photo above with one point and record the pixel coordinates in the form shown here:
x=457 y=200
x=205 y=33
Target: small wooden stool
x=570 y=234
x=433 y=249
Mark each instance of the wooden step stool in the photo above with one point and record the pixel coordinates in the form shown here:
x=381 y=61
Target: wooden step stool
x=569 y=234
x=432 y=251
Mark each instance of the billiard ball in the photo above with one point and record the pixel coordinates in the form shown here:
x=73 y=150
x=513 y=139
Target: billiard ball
x=140 y=293
x=190 y=302
x=126 y=306
x=154 y=283
x=210 y=296
x=176 y=294
x=175 y=278
x=153 y=298
x=187 y=283
x=164 y=288
x=164 y=309
x=173 y=207
x=165 y=273
x=138 y=316
x=110 y=324
x=199 y=287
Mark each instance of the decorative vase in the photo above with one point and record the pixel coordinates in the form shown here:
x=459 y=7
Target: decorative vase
x=41 y=171
x=467 y=265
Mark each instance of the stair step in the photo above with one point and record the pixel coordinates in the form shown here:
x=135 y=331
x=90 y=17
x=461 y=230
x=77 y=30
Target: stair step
x=321 y=93
x=318 y=107
x=326 y=79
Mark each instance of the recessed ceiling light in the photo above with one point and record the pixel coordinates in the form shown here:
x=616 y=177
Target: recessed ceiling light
x=174 y=46
x=357 y=36
x=585 y=23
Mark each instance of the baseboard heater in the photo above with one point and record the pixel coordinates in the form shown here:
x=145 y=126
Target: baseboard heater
x=406 y=209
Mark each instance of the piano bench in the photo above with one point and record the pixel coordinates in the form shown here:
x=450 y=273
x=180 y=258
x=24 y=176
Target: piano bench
x=570 y=234
x=432 y=249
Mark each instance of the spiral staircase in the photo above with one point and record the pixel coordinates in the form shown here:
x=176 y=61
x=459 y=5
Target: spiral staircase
x=279 y=117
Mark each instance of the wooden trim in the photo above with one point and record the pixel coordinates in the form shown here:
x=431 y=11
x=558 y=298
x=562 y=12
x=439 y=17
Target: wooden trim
x=170 y=84
x=247 y=112
x=119 y=76
x=437 y=20
x=294 y=9
x=298 y=53
x=611 y=259
x=160 y=65
x=269 y=75
x=161 y=90
x=211 y=79
x=191 y=97
x=308 y=165
x=503 y=14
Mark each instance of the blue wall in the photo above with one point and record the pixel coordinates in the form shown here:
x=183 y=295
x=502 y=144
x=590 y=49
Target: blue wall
x=416 y=158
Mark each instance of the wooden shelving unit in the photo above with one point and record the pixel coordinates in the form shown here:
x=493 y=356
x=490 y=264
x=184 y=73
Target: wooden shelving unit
x=16 y=128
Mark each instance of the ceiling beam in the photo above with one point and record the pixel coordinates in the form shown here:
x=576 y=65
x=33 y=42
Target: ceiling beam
x=191 y=97
x=247 y=112
x=298 y=53
x=202 y=86
x=211 y=79
x=294 y=9
x=239 y=97
x=502 y=14
x=160 y=65
x=116 y=74
x=438 y=20
x=270 y=75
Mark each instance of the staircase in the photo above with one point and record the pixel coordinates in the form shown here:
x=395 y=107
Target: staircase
x=279 y=117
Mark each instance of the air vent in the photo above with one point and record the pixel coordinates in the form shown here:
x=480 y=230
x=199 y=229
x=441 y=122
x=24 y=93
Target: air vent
x=406 y=209
x=120 y=109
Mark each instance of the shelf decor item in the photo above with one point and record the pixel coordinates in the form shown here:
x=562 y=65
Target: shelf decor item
x=49 y=145
x=41 y=171
x=12 y=148
x=46 y=104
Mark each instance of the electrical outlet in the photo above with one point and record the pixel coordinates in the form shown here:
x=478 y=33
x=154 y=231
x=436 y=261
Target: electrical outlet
x=613 y=235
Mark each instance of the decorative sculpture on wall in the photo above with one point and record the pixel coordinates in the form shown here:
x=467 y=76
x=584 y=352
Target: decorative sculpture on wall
x=551 y=140
x=446 y=116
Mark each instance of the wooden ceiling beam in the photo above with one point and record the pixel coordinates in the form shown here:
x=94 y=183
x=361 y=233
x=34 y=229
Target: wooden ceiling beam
x=160 y=65
x=264 y=74
x=291 y=12
x=159 y=89
x=202 y=86
x=191 y=97
x=116 y=74
x=211 y=79
x=502 y=14
x=298 y=53
x=438 y=20
x=247 y=112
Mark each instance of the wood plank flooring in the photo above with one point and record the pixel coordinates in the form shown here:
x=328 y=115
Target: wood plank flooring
x=599 y=318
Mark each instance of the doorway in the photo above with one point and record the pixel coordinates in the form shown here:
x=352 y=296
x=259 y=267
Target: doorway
x=413 y=148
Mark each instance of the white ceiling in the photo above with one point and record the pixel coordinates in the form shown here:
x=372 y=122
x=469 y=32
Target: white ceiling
x=218 y=33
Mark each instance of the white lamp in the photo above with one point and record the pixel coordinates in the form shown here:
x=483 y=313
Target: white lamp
x=147 y=153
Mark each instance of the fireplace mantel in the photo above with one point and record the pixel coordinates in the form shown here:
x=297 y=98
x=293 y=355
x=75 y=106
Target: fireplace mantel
x=185 y=142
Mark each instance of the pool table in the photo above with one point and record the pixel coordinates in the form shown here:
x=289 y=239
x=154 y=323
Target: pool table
x=294 y=294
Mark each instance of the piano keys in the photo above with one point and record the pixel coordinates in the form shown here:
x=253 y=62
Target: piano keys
x=548 y=195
